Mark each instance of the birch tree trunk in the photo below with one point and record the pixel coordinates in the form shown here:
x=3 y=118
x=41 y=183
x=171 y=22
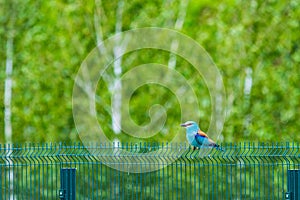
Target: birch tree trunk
x=178 y=26
x=7 y=111
x=247 y=93
x=8 y=91
x=117 y=85
x=10 y=13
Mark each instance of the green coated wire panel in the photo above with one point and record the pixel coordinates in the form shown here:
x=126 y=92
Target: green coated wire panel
x=149 y=171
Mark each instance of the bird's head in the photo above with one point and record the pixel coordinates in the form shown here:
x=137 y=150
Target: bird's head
x=190 y=126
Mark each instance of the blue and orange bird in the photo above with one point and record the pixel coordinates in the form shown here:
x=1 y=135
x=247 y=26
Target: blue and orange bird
x=198 y=138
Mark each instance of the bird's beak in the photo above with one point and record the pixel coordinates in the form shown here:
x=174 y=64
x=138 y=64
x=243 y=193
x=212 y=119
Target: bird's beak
x=183 y=125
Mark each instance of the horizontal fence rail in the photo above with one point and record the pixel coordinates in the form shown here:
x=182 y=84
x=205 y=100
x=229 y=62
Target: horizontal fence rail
x=148 y=171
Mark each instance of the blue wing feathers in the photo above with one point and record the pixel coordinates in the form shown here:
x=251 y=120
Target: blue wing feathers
x=200 y=139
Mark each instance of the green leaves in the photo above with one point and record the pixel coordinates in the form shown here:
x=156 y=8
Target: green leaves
x=52 y=39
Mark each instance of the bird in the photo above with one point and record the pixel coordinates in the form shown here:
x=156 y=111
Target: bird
x=198 y=138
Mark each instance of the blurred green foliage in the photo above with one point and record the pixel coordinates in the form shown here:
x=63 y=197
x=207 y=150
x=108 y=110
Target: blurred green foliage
x=52 y=38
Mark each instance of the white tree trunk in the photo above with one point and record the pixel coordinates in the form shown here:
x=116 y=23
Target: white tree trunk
x=97 y=23
x=7 y=110
x=117 y=87
x=247 y=93
x=178 y=26
x=8 y=91
x=248 y=83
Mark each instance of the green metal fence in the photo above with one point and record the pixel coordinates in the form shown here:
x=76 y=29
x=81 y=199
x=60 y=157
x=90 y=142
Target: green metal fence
x=148 y=171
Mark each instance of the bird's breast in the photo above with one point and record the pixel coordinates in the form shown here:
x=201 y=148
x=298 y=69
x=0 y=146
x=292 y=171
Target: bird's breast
x=190 y=138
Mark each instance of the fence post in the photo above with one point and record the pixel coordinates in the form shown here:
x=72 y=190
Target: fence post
x=293 y=185
x=67 y=183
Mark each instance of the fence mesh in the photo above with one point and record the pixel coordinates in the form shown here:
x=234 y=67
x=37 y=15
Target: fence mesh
x=148 y=171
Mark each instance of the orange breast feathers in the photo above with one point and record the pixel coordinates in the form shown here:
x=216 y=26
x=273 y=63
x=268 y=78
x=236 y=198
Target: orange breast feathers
x=202 y=133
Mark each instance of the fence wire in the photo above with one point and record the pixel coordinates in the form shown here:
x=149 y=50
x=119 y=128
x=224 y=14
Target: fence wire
x=148 y=171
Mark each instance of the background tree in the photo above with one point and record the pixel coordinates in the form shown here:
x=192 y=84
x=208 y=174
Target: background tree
x=255 y=44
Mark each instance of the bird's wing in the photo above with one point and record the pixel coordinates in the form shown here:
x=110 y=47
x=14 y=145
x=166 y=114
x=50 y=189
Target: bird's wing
x=199 y=139
x=201 y=133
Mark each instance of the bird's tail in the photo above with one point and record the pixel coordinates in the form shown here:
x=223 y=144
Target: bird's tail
x=218 y=147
